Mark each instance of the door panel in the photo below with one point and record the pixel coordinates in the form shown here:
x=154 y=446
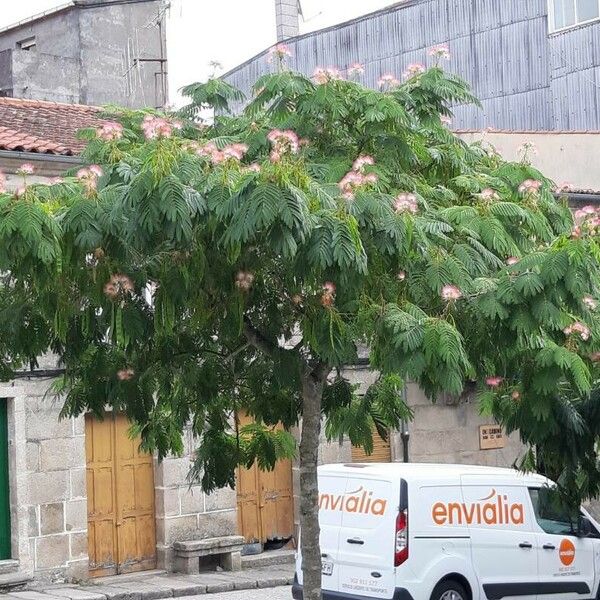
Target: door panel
x=5 y=537
x=265 y=501
x=503 y=540
x=120 y=499
x=382 y=451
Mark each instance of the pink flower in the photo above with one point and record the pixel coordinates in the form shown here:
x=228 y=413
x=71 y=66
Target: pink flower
x=578 y=328
x=355 y=179
x=235 y=151
x=26 y=169
x=445 y=120
x=328 y=295
x=2 y=182
x=488 y=194
x=88 y=176
x=322 y=76
x=530 y=186
x=451 y=292
x=494 y=381
x=512 y=260
x=576 y=232
x=440 y=51
x=564 y=186
x=585 y=212
x=20 y=191
x=118 y=286
x=110 y=131
x=356 y=69
x=387 y=82
x=401 y=276
x=284 y=142
x=244 y=280
x=516 y=395
x=125 y=374
x=406 y=203
x=155 y=127
x=589 y=302
x=275 y=156
x=279 y=52
x=413 y=70
x=361 y=161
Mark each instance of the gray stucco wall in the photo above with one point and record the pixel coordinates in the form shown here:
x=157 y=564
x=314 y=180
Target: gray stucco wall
x=526 y=78
x=81 y=55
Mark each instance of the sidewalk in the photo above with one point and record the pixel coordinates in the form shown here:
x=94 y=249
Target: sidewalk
x=151 y=585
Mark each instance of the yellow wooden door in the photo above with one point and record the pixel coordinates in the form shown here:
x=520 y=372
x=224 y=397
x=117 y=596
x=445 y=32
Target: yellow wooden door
x=121 y=517
x=265 y=500
x=382 y=451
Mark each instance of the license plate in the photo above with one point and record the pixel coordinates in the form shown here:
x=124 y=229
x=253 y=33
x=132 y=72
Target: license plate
x=326 y=568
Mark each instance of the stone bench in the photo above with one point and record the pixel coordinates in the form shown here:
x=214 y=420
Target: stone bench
x=227 y=549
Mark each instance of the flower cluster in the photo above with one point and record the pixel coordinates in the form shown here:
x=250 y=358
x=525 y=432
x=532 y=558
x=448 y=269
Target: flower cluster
x=451 y=292
x=125 y=374
x=406 y=203
x=488 y=194
x=387 y=82
x=525 y=150
x=589 y=302
x=495 y=381
x=579 y=329
x=516 y=395
x=283 y=142
x=119 y=286
x=233 y=152
x=328 y=294
x=564 y=186
x=440 y=51
x=357 y=178
x=401 y=276
x=109 y=132
x=322 y=75
x=89 y=176
x=586 y=219
x=512 y=260
x=155 y=127
x=279 y=53
x=244 y=281
x=26 y=169
x=356 y=69
x=530 y=186
x=412 y=70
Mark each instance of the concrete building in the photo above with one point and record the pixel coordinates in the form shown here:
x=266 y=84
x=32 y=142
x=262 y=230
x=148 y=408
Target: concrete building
x=88 y=52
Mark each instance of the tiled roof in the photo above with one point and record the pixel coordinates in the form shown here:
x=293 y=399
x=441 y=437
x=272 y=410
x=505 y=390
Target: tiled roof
x=44 y=127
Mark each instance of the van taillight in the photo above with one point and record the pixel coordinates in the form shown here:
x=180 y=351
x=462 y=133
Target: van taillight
x=401 y=553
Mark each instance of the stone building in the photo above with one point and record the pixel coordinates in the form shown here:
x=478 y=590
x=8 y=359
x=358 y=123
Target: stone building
x=89 y=52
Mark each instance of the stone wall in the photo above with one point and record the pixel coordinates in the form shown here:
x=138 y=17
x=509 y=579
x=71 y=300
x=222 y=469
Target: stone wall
x=183 y=511
x=47 y=472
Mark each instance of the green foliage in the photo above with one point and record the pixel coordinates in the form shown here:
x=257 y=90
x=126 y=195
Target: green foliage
x=213 y=271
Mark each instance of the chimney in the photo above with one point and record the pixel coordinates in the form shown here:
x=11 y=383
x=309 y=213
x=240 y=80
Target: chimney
x=287 y=17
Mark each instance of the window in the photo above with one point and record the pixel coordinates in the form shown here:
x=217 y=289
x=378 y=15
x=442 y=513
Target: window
x=550 y=515
x=566 y=13
x=27 y=44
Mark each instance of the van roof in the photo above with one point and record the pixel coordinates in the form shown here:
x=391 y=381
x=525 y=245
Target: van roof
x=427 y=471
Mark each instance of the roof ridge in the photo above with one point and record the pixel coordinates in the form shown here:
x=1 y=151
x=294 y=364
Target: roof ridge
x=48 y=104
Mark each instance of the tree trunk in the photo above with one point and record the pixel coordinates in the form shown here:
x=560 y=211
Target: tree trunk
x=312 y=392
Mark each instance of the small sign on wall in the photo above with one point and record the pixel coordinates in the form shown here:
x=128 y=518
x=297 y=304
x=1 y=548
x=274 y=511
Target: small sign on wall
x=491 y=437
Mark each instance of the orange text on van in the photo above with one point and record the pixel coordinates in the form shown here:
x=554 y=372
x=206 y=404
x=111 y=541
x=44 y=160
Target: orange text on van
x=491 y=510
x=358 y=501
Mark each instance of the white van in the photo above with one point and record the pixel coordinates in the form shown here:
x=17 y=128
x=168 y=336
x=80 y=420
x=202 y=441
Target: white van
x=449 y=532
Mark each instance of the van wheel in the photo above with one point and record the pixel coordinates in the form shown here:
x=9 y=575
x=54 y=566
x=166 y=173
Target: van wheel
x=449 y=590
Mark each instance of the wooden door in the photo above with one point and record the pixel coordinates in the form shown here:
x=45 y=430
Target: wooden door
x=265 y=500
x=120 y=486
x=382 y=451
x=5 y=541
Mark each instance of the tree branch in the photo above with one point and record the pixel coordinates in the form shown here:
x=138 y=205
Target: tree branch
x=258 y=340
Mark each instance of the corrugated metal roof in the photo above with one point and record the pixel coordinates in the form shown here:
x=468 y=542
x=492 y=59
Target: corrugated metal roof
x=525 y=78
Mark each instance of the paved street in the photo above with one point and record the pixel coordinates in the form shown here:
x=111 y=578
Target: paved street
x=278 y=593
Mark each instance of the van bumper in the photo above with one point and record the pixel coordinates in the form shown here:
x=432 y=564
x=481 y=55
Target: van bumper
x=399 y=594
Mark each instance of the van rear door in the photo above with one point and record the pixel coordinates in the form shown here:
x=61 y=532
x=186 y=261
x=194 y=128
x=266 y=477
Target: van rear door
x=330 y=522
x=369 y=511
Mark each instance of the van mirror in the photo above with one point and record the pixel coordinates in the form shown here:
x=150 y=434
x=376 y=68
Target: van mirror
x=584 y=527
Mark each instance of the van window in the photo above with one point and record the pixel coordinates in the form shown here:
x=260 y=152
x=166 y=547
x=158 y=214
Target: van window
x=550 y=515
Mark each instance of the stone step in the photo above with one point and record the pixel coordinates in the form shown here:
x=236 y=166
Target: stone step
x=9 y=566
x=269 y=559
x=13 y=581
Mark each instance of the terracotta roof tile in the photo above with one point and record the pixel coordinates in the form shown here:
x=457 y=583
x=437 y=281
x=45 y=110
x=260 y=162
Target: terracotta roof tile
x=44 y=127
